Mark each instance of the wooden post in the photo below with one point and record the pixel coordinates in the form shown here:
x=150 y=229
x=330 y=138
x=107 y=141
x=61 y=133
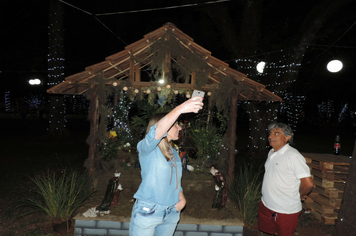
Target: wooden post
x=232 y=137
x=167 y=75
x=115 y=98
x=210 y=113
x=193 y=78
x=94 y=124
x=137 y=72
x=132 y=70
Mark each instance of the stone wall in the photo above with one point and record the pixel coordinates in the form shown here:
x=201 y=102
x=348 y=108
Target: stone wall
x=115 y=228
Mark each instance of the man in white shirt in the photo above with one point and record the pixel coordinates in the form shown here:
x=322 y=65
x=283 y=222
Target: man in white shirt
x=286 y=183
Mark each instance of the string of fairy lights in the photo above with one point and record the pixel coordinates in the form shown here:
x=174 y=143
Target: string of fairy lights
x=57 y=113
x=270 y=74
x=292 y=107
x=120 y=116
x=326 y=110
x=255 y=132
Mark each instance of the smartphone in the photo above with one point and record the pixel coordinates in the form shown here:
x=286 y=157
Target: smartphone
x=198 y=93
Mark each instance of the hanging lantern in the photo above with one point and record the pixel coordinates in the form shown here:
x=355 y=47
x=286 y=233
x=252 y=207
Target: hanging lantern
x=136 y=91
x=125 y=88
x=148 y=91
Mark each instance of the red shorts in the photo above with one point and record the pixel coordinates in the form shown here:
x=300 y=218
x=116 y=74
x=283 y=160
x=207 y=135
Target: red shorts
x=273 y=222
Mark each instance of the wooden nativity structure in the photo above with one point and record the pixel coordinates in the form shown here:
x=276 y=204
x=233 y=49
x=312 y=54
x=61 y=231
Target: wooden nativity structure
x=167 y=53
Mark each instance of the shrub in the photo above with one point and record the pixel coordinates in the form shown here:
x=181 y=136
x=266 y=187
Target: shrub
x=207 y=141
x=59 y=195
x=246 y=192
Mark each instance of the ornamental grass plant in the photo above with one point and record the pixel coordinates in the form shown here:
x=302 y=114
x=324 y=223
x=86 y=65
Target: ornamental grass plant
x=246 y=192
x=58 y=195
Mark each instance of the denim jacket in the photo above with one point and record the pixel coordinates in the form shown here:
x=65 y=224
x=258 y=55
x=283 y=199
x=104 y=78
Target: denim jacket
x=161 y=183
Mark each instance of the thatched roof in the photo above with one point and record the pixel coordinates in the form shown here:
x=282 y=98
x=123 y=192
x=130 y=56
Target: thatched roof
x=127 y=65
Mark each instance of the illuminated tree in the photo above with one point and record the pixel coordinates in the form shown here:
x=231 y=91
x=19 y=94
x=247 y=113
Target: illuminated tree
x=57 y=114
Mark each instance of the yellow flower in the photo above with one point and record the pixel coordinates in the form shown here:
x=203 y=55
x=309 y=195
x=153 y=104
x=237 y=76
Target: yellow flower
x=112 y=134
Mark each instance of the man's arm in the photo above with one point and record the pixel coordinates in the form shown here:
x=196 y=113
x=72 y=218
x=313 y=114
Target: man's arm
x=306 y=186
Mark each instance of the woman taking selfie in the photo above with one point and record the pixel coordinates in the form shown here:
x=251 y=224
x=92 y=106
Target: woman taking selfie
x=160 y=198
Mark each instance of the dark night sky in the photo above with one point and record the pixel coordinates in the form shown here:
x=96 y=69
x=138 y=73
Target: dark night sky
x=24 y=41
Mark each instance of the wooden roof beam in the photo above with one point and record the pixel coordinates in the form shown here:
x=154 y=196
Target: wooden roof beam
x=94 y=69
x=215 y=78
x=155 y=34
x=138 y=84
x=235 y=73
x=215 y=68
x=197 y=48
x=217 y=63
x=139 y=46
x=242 y=96
x=117 y=57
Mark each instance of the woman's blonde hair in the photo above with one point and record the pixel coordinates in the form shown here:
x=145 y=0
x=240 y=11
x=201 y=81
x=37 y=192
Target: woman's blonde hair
x=163 y=144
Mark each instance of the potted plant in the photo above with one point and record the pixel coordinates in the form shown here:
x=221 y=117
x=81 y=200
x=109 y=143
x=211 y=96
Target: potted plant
x=59 y=195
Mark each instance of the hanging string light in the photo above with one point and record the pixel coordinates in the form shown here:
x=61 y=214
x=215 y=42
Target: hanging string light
x=55 y=57
x=272 y=75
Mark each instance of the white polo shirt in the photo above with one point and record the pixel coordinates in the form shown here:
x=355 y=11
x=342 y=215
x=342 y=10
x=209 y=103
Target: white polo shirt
x=281 y=181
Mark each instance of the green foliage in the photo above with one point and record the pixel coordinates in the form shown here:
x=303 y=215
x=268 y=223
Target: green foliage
x=57 y=195
x=222 y=121
x=246 y=192
x=207 y=140
x=110 y=147
x=145 y=113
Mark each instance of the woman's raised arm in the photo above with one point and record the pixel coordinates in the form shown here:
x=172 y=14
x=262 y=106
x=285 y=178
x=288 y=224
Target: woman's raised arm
x=191 y=105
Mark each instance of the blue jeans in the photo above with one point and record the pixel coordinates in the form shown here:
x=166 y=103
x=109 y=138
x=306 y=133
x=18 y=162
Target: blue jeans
x=150 y=219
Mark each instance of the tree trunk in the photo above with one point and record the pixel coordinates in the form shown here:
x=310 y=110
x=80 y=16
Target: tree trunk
x=345 y=224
